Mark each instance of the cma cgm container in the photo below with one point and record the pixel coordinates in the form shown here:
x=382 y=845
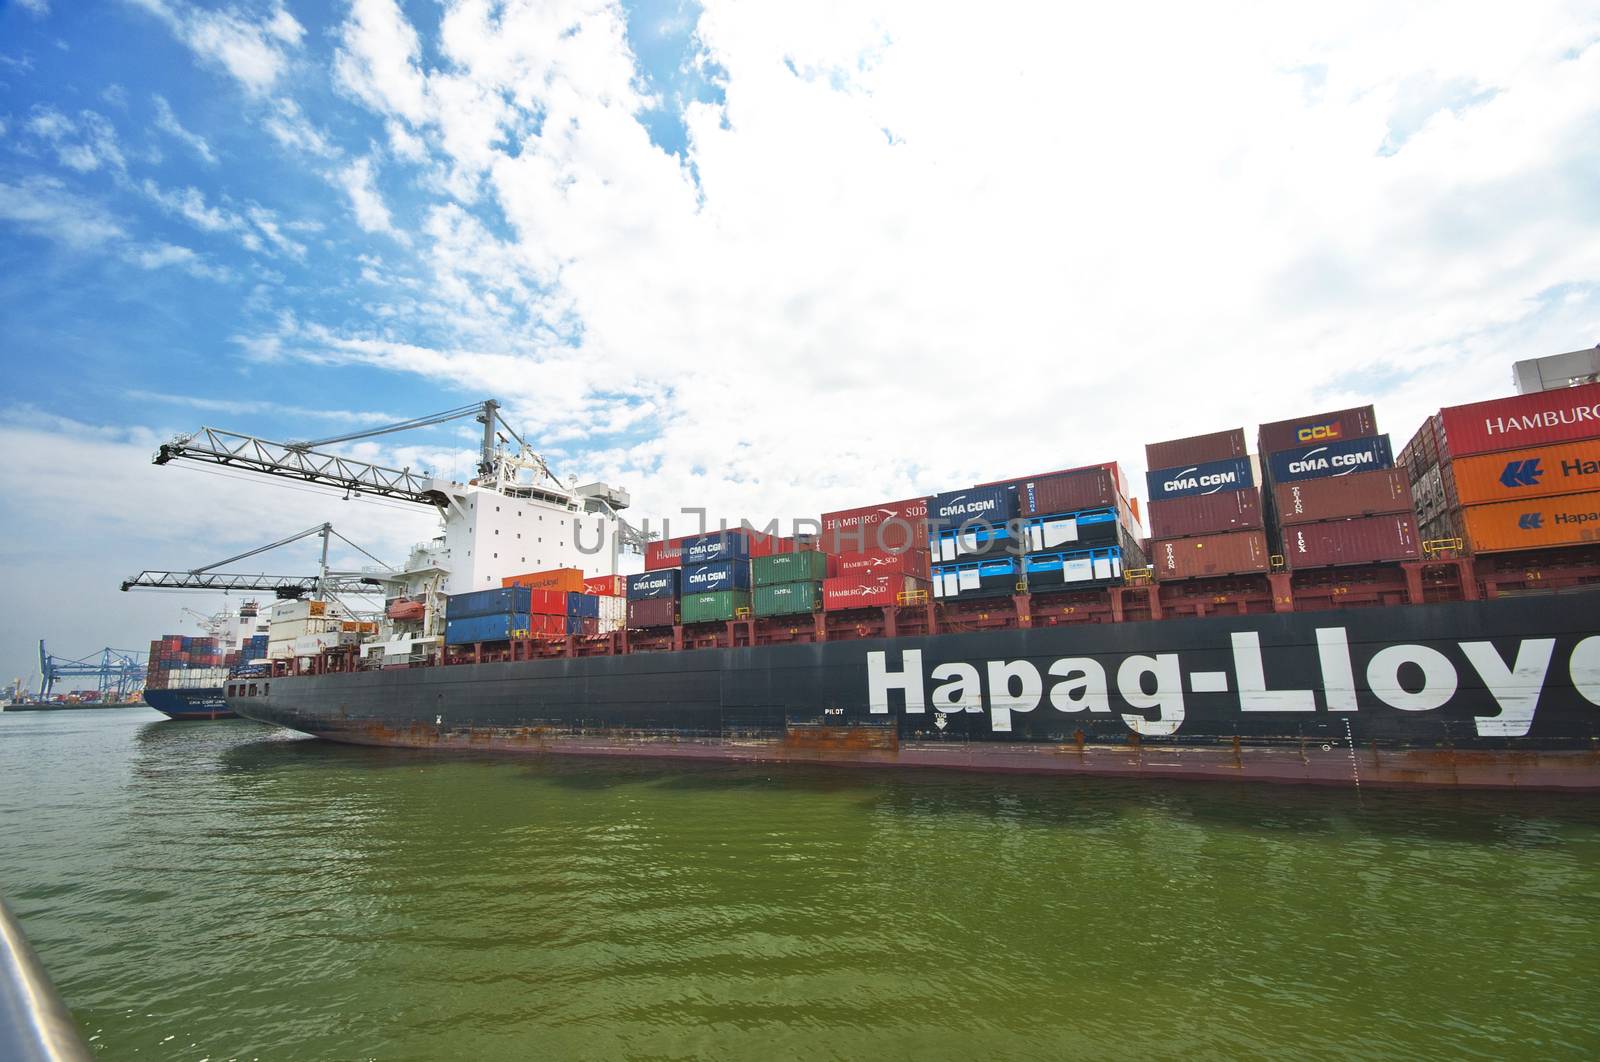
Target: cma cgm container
x=1234 y=553
x=654 y=585
x=992 y=505
x=870 y=591
x=890 y=526
x=1330 y=459
x=1538 y=472
x=649 y=612
x=1197 y=449
x=1562 y=415
x=1067 y=492
x=785 y=599
x=713 y=608
x=1365 y=540
x=1568 y=520
x=1298 y=432
x=808 y=566
x=1204 y=477
x=1206 y=514
x=566 y=580
x=1361 y=494
x=716 y=575
x=881 y=562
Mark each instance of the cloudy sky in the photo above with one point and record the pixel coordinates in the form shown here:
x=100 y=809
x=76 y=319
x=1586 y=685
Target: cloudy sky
x=769 y=259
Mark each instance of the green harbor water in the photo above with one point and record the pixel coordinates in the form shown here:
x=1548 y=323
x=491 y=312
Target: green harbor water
x=224 y=890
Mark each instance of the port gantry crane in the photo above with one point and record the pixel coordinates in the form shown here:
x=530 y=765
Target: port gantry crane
x=322 y=585
x=117 y=672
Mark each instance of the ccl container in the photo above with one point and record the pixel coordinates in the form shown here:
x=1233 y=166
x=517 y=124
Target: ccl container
x=872 y=591
x=647 y=586
x=714 y=607
x=652 y=612
x=881 y=562
x=1330 y=459
x=1337 y=497
x=1094 y=528
x=1538 y=472
x=1197 y=449
x=1067 y=492
x=1206 y=514
x=809 y=566
x=889 y=526
x=498 y=601
x=984 y=578
x=583 y=606
x=979 y=539
x=565 y=580
x=484 y=628
x=1563 y=415
x=1568 y=520
x=1205 y=477
x=785 y=599
x=1341 y=425
x=1364 y=540
x=1233 y=553
x=606 y=585
x=953 y=509
x=1073 y=568
x=717 y=575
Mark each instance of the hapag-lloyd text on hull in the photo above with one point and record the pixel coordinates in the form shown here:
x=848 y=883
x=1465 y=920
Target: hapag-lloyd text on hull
x=1497 y=683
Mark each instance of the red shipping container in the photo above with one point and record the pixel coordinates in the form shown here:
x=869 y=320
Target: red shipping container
x=1195 y=450
x=1234 y=553
x=663 y=554
x=1366 y=540
x=1206 y=514
x=1526 y=420
x=1358 y=423
x=1066 y=492
x=868 y=591
x=653 y=612
x=1308 y=501
x=606 y=586
x=880 y=562
x=547 y=602
x=855 y=530
x=1112 y=467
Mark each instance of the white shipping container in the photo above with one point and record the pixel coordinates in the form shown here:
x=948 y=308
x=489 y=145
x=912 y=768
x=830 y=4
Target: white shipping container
x=613 y=613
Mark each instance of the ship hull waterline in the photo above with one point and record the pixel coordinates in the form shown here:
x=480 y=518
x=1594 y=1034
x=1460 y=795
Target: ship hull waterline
x=1497 y=694
x=191 y=705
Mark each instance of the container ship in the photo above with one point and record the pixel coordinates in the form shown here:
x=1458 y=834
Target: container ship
x=1315 y=609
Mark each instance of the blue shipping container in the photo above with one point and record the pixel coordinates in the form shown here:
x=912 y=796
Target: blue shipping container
x=1094 y=527
x=985 y=578
x=1084 y=567
x=582 y=606
x=994 y=505
x=496 y=628
x=1331 y=459
x=1209 y=477
x=496 y=602
x=718 y=545
x=977 y=540
x=647 y=586
x=717 y=575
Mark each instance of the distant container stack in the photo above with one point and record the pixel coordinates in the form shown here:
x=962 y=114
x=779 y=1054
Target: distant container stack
x=877 y=555
x=1205 y=508
x=1510 y=473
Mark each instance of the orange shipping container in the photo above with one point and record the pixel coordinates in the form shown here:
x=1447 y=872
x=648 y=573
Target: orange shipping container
x=566 y=580
x=1538 y=472
x=1538 y=522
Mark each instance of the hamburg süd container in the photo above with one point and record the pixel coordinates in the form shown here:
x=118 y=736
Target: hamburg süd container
x=649 y=612
x=1080 y=530
x=1206 y=514
x=872 y=591
x=785 y=599
x=1205 y=477
x=975 y=505
x=497 y=601
x=889 y=526
x=566 y=580
x=606 y=585
x=1068 y=492
x=982 y=578
x=1567 y=520
x=1337 y=497
x=882 y=562
x=714 y=607
x=1363 y=540
x=1073 y=568
x=662 y=583
x=716 y=575
x=1197 y=449
x=809 y=566
x=1233 y=553
x=1537 y=472
x=1330 y=459
x=1299 y=432
x=1562 y=415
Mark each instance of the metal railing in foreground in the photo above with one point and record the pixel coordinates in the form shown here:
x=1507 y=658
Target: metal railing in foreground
x=34 y=1024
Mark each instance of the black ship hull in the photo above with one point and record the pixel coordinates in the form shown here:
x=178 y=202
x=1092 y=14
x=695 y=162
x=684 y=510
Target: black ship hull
x=1502 y=693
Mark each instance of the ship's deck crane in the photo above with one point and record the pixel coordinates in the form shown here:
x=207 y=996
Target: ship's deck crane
x=325 y=583
x=115 y=671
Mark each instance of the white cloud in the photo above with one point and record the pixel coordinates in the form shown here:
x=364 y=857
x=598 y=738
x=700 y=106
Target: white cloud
x=36 y=8
x=161 y=255
x=43 y=206
x=243 y=407
x=254 y=50
x=358 y=182
x=84 y=144
x=290 y=127
x=168 y=123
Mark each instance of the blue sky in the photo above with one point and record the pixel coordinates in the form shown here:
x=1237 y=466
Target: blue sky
x=766 y=259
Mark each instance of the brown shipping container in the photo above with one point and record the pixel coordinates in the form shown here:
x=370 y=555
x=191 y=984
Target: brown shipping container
x=653 y=612
x=1358 y=423
x=1234 y=553
x=1540 y=472
x=1206 y=514
x=1308 y=501
x=1091 y=488
x=1218 y=446
x=1365 y=540
x=1569 y=520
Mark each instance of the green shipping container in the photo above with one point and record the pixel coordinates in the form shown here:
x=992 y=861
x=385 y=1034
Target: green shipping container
x=788 y=598
x=807 y=567
x=711 y=608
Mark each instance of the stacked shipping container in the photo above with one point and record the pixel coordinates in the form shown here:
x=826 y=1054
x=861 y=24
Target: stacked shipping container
x=877 y=555
x=788 y=583
x=1205 y=508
